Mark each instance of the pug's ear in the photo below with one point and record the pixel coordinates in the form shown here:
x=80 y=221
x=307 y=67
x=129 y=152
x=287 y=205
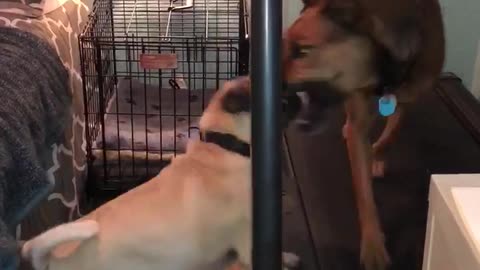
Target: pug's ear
x=237 y=96
x=236 y=100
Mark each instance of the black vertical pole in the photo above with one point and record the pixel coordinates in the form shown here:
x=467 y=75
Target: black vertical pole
x=266 y=36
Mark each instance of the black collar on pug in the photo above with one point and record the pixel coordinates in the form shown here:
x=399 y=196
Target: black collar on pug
x=227 y=142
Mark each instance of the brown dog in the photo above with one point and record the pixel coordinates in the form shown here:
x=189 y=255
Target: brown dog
x=345 y=52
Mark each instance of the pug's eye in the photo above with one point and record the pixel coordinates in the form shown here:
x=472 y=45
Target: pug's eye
x=300 y=51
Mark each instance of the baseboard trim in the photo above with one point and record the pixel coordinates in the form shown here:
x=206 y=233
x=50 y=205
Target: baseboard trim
x=461 y=103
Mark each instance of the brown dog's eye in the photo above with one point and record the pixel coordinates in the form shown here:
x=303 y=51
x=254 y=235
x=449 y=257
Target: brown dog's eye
x=300 y=51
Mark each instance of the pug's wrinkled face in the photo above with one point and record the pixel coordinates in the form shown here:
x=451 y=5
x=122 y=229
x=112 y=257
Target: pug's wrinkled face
x=229 y=110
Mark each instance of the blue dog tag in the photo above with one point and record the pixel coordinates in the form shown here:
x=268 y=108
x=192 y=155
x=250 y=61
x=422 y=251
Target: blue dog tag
x=387 y=105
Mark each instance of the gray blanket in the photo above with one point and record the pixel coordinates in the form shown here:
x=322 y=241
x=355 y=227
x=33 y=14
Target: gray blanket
x=34 y=103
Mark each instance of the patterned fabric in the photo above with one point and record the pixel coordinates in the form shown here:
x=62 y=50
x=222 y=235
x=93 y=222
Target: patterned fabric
x=30 y=8
x=61 y=29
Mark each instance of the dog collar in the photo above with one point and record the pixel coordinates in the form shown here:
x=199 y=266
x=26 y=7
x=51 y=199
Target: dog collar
x=228 y=142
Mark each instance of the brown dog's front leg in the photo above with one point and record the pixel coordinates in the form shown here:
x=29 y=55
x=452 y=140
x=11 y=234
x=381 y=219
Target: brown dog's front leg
x=386 y=138
x=373 y=252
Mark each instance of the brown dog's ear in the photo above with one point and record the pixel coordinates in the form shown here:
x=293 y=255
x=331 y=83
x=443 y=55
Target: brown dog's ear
x=344 y=12
x=307 y=3
x=310 y=3
x=394 y=24
x=401 y=35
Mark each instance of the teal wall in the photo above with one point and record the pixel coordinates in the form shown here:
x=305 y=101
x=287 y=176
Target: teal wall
x=462 y=28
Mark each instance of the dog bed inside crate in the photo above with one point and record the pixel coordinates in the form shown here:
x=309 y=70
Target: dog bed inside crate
x=148 y=122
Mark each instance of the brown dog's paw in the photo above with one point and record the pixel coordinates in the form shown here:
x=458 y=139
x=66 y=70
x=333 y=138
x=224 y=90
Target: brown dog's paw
x=378 y=162
x=346 y=130
x=378 y=168
x=290 y=261
x=373 y=254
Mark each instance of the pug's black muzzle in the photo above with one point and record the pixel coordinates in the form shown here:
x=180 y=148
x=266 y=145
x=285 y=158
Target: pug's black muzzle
x=311 y=114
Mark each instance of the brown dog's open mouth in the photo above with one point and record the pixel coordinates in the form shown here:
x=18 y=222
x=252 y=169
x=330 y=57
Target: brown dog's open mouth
x=311 y=112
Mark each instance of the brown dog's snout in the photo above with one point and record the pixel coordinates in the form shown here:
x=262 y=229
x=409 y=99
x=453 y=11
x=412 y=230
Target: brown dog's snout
x=321 y=94
x=291 y=106
x=312 y=114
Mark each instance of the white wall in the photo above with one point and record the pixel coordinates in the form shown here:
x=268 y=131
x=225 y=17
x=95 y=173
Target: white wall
x=462 y=28
x=291 y=10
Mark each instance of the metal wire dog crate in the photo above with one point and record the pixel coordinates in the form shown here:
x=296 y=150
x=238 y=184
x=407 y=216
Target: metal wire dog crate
x=149 y=68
